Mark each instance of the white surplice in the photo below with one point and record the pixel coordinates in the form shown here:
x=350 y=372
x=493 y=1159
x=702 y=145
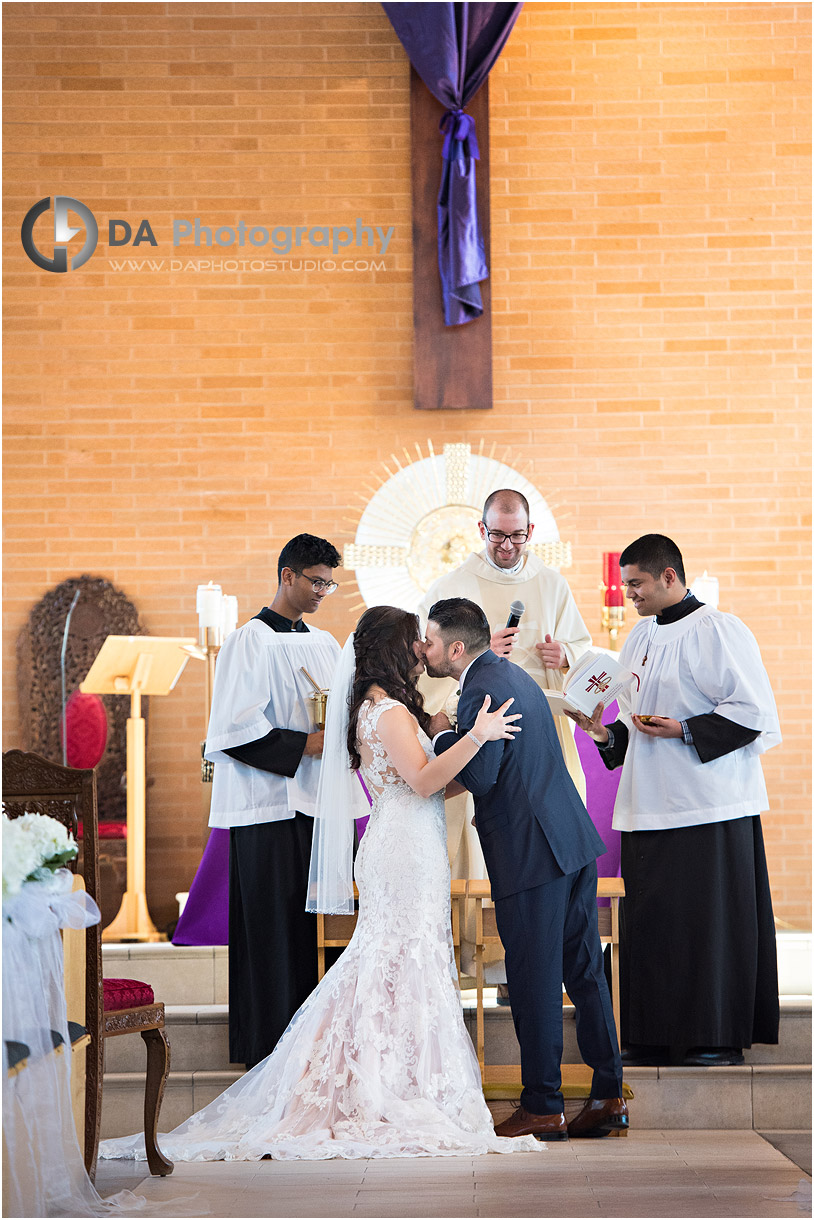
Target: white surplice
x=259 y=685
x=708 y=661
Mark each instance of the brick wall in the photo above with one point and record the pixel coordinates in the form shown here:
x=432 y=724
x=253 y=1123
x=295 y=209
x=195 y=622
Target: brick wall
x=650 y=259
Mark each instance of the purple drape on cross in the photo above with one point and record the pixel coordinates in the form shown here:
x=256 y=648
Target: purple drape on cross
x=453 y=48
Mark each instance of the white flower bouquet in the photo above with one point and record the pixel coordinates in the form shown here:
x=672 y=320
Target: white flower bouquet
x=451 y=707
x=34 y=847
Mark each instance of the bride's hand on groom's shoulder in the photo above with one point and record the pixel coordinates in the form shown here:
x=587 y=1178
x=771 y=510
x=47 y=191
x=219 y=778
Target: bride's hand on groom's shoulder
x=497 y=725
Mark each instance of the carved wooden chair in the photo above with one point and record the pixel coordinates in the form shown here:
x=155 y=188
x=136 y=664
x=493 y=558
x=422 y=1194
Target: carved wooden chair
x=112 y=1006
x=101 y=610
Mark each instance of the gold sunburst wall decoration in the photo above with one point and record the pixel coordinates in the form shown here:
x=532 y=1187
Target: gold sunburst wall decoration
x=422 y=521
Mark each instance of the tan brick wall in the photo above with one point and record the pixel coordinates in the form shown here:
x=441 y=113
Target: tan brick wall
x=650 y=259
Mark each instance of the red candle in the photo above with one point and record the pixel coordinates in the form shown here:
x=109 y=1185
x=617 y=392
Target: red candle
x=612 y=579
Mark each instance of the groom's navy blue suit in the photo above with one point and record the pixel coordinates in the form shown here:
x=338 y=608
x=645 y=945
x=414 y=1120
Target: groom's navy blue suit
x=540 y=848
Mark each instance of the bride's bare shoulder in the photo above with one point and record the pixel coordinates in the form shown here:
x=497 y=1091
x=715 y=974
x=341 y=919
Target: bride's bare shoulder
x=376 y=696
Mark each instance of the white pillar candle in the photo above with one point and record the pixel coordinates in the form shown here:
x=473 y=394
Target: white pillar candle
x=208 y=604
x=229 y=614
x=705 y=588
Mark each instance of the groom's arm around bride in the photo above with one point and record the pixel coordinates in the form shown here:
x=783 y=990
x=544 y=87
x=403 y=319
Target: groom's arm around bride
x=540 y=848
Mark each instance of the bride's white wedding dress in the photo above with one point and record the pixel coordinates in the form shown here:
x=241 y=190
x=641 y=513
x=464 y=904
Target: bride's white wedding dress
x=377 y=1062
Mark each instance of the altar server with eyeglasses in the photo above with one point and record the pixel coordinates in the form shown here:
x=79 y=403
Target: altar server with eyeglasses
x=698 y=956
x=550 y=637
x=266 y=749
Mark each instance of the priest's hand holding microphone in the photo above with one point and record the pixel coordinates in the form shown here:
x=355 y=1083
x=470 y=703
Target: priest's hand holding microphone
x=502 y=640
x=552 y=653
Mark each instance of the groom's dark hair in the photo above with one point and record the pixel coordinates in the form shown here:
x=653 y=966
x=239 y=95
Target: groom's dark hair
x=457 y=618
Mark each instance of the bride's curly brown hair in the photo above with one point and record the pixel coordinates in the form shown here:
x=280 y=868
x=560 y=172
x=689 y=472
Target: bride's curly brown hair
x=383 y=646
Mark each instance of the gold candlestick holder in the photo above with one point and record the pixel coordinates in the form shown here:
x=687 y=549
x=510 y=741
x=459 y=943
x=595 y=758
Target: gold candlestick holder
x=613 y=620
x=209 y=640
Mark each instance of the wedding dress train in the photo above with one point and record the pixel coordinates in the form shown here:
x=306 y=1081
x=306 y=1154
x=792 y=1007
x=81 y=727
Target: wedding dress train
x=377 y=1062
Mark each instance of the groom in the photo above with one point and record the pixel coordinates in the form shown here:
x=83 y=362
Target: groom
x=540 y=848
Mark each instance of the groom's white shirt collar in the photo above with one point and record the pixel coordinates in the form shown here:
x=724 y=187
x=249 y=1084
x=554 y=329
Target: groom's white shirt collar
x=461 y=680
x=464 y=672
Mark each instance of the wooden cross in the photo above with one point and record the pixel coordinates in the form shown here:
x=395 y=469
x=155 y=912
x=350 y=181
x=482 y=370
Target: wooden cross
x=452 y=364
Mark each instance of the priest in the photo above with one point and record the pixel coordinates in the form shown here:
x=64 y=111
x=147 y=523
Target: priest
x=698 y=956
x=266 y=749
x=550 y=637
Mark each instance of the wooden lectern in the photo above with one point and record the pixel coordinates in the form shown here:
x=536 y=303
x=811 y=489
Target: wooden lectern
x=136 y=665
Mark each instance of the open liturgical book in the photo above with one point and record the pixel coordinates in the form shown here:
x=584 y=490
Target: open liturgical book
x=595 y=677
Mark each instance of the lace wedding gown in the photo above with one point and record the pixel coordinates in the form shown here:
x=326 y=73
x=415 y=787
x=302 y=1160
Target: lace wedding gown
x=377 y=1061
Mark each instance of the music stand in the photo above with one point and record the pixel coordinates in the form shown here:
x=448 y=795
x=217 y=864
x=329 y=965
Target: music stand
x=136 y=665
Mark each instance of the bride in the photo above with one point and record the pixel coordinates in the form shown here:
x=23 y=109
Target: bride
x=377 y=1061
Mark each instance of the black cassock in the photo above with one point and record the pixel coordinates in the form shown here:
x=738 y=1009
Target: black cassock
x=272 y=939
x=698 y=958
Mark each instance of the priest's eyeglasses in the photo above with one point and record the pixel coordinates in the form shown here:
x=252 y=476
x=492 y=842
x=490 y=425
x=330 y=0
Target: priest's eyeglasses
x=517 y=538
x=320 y=586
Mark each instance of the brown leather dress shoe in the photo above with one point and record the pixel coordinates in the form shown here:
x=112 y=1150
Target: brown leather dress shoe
x=541 y=1126
x=599 y=1117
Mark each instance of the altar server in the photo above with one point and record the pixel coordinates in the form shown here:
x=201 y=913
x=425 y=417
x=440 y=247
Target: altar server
x=266 y=749
x=698 y=956
x=550 y=637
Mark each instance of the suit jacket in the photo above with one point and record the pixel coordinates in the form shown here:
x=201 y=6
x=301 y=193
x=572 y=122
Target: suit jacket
x=530 y=819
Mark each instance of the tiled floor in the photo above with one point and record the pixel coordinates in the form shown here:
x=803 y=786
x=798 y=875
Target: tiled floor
x=650 y=1173
x=796 y=1145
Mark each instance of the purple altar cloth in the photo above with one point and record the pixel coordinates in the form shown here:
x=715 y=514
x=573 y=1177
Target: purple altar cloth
x=205 y=920
x=601 y=787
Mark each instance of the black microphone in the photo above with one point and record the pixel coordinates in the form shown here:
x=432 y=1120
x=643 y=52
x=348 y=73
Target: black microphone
x=516 y=610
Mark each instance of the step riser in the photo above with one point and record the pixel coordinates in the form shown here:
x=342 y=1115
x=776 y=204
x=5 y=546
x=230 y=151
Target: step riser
x=740 y=1098
x=200 y=1041
x=177 y=975
x=199 y=974
x=772 y=1091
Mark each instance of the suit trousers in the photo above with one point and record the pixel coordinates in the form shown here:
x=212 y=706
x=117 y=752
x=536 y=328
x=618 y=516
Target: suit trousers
x=551 y=937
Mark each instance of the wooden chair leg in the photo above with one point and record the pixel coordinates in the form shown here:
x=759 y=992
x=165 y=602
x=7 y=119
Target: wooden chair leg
x=95 y=1061
x=320 y=947
x=455 y=914
x=614 y=953
x=479 y=1018
x=615 y=998
x=158 y=1068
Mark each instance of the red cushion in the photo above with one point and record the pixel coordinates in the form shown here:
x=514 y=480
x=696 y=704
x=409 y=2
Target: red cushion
x=126 y=993
x=109 y=830
x=85 y=730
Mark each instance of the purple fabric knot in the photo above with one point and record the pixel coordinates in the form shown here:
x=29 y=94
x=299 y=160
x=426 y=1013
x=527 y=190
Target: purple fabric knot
x=459 y=128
